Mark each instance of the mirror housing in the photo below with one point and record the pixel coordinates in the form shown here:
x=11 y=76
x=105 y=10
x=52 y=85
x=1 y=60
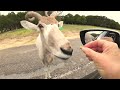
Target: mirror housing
x=96 y=34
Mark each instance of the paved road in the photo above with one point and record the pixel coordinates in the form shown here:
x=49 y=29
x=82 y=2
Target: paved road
x=23 y=63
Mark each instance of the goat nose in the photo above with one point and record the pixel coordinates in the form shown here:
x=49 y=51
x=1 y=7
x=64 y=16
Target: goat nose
x=67 y=50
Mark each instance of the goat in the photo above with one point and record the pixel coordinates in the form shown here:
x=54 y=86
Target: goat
x=108 y=39
x=50 y=41
x=88 y=37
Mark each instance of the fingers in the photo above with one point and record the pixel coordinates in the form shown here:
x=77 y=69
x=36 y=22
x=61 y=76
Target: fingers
x=89 y=58
x=99 y=45
x=97 y=50
x=90 y=53
x=96 y=43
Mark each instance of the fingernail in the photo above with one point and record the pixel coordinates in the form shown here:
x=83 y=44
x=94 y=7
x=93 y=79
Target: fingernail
x=81 y=47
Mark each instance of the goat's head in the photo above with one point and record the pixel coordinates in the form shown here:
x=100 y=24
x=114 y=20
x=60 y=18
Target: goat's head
x=48 y=26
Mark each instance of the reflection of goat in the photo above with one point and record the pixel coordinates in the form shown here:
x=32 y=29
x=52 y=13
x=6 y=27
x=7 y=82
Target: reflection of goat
x=50 y=42
x=108 y=39
x=88 y=38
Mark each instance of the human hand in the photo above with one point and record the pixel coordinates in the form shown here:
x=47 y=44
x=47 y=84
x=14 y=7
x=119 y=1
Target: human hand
x=106 y=56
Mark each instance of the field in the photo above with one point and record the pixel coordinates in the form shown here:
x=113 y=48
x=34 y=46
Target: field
x=22 y=36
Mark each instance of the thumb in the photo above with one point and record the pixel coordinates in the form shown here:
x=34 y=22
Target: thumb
x=95 y=56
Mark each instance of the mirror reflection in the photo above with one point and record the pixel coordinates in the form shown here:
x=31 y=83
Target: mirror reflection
x=93 y=35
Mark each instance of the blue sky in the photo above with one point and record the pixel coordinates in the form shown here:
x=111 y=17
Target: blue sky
x=115 y=15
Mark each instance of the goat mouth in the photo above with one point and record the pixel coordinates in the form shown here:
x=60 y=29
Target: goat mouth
x=62 y=58
x=66 y=52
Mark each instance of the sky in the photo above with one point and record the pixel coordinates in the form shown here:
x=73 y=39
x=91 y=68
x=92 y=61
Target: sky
x=115 y=15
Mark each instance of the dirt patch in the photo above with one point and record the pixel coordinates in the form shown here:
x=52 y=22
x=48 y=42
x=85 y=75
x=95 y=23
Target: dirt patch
x=71 y=34
x=9 y=43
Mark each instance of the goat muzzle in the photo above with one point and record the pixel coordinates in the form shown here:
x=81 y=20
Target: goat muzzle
x=67 y=49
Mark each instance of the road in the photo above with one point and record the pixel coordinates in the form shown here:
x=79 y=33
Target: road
x=23 y=63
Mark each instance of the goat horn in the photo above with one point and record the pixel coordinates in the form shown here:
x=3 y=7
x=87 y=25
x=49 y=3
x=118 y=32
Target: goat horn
x=31 y=15
x=56 y=13
x=46 y=13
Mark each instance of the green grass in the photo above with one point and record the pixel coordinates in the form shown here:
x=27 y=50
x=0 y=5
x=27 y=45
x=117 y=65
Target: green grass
x=23 y=32
x=76 y=27
x=17 y=34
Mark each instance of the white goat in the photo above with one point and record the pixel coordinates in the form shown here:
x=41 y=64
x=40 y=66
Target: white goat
x=50 y=42
x=88 y=38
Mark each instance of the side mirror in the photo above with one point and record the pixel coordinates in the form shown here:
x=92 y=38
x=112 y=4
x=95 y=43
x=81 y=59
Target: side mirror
x=96 y=34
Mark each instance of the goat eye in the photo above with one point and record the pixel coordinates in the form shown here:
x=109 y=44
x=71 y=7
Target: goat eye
x=58 y=25
x=40 y=26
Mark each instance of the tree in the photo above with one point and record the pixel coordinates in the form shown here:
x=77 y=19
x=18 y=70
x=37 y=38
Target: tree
x=69 y=19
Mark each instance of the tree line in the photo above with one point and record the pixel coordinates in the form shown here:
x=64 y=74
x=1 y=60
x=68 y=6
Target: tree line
x=101 y=21
x=11 y=21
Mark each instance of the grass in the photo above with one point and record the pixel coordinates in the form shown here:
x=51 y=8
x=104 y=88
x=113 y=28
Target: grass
x=19 y=33
x=76 y=27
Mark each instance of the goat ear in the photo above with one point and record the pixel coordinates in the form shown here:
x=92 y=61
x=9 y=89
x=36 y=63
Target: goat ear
x=60 y=23
x=28 y=25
